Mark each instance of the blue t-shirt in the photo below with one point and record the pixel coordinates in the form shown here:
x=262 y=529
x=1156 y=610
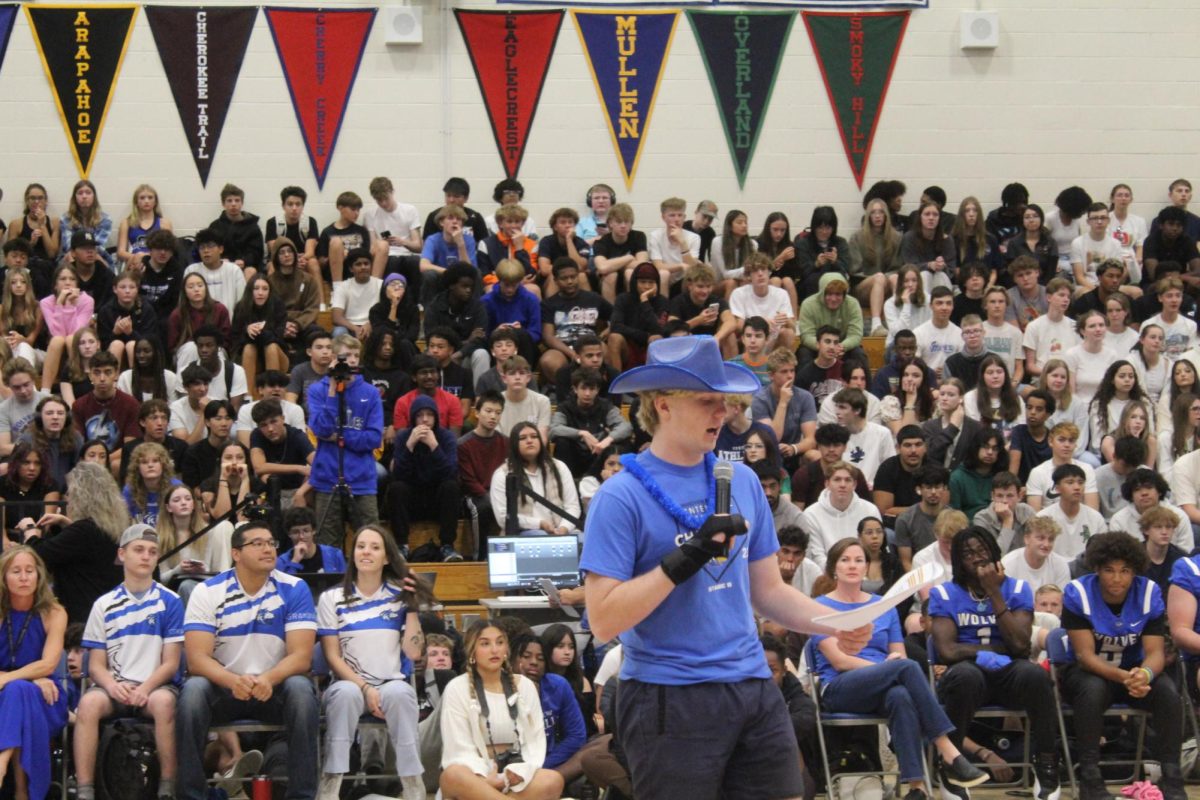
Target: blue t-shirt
x=703 y=632
x=975 y=619
x=443 y=255
x=886 y=631
x=1186 y=575
x=1118 y=638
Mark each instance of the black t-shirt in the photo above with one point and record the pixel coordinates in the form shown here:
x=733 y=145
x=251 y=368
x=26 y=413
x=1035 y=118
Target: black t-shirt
x=457 y=381
x=99 y=285
x=820 y=382
x=391 y=383
x=572 y=317
x=964 y=305
x=294 y=449
x=352 y=236
x=891 y=477
x=292 y=231
x=1182 y=249
x=199 y=462
x=706 y=238
x=634 y=243
x=681 y=306
x=160 y=288
x=549 y=247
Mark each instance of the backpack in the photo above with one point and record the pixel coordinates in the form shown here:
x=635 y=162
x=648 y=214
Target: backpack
x=127 y=762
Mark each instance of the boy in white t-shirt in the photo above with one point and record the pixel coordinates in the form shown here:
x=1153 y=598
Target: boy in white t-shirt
x=1092 y=248
x=395 y=227
x=1036 y=563
x=760 y=299
x=1053 y=334
x=352 y=299
x=673 y=248
x=226 y=282
x=1039 y=486
x=1000 y=336
x=1077 y=522
x=870 y=444
x=1179 y=332
x=939 y=338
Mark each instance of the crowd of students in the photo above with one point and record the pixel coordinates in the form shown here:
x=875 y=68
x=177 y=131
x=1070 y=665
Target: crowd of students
x=1038 y=390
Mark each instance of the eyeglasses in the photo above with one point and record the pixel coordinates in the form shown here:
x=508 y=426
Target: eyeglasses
x=259 y=544
x=301 y=533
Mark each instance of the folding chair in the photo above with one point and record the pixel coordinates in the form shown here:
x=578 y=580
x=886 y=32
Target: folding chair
x=1189 y=706
x=995 y=712
x=1058 y=650
x=832 y=719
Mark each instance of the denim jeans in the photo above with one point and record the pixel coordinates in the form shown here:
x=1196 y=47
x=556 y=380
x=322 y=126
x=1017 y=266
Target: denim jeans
x=293 y=705
x=899 y=689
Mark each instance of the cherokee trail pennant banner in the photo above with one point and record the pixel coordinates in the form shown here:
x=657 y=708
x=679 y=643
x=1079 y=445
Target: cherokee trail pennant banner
x=320 y=51
x=510 y=51
x=8 y=15
x=202 y=50
x=742 y=51
x=856 y=54
x=626 y=54
x=82 y=48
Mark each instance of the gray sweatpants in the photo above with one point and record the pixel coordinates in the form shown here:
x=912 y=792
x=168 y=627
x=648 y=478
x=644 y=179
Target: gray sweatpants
x=344 y=705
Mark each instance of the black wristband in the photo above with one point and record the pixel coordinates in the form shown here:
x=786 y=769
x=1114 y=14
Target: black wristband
x=683 y=562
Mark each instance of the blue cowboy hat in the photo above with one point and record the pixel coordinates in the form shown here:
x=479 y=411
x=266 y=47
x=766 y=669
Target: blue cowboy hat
x=691 y=363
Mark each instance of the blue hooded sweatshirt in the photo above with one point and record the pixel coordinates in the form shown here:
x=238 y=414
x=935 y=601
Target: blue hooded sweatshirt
x=363 y=431
x=423 y=466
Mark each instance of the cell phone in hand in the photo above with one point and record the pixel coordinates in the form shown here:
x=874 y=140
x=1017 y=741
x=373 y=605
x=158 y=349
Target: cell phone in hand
x=714 y=306
x=385 y=235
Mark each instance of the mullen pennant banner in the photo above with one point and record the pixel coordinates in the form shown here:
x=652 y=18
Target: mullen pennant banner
x=856 y=53
x=626 y=53
x=320 y=51
x=8 y=15
x=82 y=48
x=202 y=51
x=510 y=51
x=742 y=51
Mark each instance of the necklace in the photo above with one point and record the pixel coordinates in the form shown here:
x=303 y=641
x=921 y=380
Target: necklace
x=688 y=520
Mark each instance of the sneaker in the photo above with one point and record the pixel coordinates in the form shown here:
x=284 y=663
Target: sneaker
x=413 y=787
x=1171 y=783
x=880 y=330
x=1091 y=784
x=1045 y=777
x=232 y=779
x=450 y=554
x=916 y=794
x=330 y=786
x=962 y=772
x=949 y=791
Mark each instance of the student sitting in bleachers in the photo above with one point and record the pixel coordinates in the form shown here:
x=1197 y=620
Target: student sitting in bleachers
x=585 y=424
x=425 y=477
x=529 y=458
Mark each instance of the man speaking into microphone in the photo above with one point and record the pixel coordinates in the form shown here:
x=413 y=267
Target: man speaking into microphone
x=677 y=561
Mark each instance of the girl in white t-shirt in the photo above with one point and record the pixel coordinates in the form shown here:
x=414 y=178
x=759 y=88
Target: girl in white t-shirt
x=994 y=398
x=909 y=307
x=1056 y=379
x=1117 y=312
x=1089 y=360
x=1136 y=422
x=1153 y=369
x=1119 y=388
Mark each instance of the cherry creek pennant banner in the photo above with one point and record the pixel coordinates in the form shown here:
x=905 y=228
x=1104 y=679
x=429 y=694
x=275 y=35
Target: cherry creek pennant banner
x=82 y=48
x=511 y=52
x=320 y=51
x=742 y=51
x=626 y=54
x=8 y=15
x=202 y=49
x=856 y=53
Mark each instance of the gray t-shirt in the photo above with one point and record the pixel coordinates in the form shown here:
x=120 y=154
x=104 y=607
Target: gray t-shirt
x=1108 y=485
x=914 y=528
x=16 y=416
x=303 y=376
x=803 y=408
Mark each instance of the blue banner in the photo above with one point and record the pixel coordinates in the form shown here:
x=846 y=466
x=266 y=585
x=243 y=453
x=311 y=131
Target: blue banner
x=626 y=54
x=8 y=15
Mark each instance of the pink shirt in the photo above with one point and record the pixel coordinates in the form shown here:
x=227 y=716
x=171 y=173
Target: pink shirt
x=65 y=320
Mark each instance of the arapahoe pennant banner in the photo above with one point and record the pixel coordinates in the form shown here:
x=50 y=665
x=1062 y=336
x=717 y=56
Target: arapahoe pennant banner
x=510 y=51
x=320 y=51
x=742 y=51
x=626 y=53
x=8 y=15
x=856 y=54
x=202 y=50
x=82 y=48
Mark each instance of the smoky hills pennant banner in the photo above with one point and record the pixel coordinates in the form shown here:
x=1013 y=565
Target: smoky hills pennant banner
x=626 y=53
x=856 y=54
x=511 y=52
x=82 y=48
x=202 y=51
x=320 y=51
x=742 y=51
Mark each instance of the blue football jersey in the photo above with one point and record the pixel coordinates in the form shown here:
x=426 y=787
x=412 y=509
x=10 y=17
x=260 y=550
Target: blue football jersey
x=975 y=618
x=1118 y=637
x=1186 y=575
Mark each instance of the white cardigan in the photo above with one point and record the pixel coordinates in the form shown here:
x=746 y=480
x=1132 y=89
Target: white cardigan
x=464 y=740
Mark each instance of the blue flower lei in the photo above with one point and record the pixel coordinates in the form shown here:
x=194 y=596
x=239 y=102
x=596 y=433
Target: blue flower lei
x=689 y=521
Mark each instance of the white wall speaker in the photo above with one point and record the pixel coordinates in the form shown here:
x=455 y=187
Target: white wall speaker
x=979 y=30
x=402 y=25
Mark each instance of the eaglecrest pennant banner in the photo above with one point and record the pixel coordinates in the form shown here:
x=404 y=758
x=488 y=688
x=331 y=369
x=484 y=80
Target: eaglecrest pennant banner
x=511 y=52
x=202 y=49
x=742 y=51
x=856 y=54
x=82 y=48
x=8 y=15
x=626 y=54
x=320 y=51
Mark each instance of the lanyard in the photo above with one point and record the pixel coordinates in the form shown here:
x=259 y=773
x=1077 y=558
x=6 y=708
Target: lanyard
x=12 y=648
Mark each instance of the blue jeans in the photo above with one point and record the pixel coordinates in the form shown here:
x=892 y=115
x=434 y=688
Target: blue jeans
x=899 y=689
x=293 y=705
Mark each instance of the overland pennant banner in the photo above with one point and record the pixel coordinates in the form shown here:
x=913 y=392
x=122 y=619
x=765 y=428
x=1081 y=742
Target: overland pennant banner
x=82 y=48
x=8 y=15
x=510 y=51
x=742 y=51
x=626 y=54
x=202 y=51
x=856 y=54
x=320 y=51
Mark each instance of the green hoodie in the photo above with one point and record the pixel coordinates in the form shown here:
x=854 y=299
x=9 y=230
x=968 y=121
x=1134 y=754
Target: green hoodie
x=847 y=318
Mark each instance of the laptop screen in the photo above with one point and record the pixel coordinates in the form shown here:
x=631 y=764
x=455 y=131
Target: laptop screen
x=518 y=562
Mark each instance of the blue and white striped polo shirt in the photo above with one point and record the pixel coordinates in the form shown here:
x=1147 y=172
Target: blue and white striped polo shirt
x=133 y=630
x=251 y=631
x=369 y=630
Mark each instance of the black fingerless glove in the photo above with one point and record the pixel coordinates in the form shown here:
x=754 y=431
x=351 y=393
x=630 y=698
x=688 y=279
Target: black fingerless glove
x=690 y=557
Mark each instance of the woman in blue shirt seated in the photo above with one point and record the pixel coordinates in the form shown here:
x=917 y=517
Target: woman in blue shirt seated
x=880 y=680
x=1116 y=624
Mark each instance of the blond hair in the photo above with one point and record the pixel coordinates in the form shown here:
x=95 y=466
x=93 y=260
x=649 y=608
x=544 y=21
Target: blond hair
x=133 y=478
x=93 y=494
x=43 y=597
x=510 y=270
x=948 y=523
x=647 y=415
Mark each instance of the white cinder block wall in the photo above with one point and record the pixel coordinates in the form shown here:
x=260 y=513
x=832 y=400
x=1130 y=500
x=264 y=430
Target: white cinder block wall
x=1080 y=91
